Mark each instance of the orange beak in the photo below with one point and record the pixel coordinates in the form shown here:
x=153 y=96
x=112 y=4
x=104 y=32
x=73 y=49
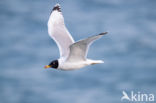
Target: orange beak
x=47 y=66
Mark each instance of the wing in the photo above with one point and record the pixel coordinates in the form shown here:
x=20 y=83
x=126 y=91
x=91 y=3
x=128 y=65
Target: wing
x=58 y=31
x=79 y=50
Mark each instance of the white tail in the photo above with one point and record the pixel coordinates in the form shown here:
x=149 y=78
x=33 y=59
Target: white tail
x=92 y=62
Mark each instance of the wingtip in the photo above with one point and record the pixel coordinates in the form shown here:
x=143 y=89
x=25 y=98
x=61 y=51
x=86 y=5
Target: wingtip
x=104 y=33
x=57 y=7
x=57 y=4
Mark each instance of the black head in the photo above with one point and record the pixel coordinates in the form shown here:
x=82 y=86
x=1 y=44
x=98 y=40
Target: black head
x=54 y=64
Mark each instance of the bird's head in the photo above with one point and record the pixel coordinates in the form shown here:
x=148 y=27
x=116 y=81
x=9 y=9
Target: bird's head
x=54 y=64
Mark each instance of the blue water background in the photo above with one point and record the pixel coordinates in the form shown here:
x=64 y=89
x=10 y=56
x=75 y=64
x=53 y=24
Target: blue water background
x=129 y=51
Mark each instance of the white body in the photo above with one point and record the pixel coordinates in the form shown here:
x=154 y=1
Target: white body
x=65 y=65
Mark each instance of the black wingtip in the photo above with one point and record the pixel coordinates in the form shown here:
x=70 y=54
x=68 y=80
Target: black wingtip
x=57 y=7
x=104 y=33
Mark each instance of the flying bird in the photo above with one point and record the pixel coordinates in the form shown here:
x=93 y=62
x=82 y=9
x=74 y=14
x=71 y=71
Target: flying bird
x=72 y=54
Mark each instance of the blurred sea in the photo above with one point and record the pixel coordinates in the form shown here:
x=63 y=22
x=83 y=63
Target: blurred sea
x=129 y=51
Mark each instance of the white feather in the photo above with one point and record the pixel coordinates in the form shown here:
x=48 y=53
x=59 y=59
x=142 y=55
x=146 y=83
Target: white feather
x=58 y=31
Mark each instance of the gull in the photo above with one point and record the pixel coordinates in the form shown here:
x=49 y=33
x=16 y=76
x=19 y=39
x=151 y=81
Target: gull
x=72 y=54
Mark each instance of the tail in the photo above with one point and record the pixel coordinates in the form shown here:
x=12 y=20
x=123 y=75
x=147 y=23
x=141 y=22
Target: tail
x=92 y=62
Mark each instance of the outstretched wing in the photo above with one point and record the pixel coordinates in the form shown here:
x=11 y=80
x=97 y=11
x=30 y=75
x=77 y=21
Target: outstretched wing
x=58 y=31
x=79 y=50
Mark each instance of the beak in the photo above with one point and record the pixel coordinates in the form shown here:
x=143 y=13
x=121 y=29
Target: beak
x=47 y=66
